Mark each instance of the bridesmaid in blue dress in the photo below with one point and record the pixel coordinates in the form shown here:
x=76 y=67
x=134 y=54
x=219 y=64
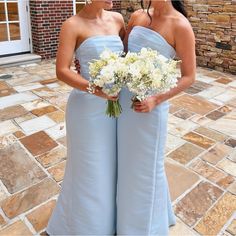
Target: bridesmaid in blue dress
x=87 y=201
x=143 y=199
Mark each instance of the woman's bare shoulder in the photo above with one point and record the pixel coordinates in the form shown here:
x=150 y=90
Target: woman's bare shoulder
x=74 y=24
x=182 y=24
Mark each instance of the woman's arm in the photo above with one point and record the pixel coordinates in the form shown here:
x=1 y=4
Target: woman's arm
x=67 y=44
x=185 y=48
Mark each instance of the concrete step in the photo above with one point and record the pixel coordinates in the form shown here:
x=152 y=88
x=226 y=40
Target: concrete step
x=19 y=60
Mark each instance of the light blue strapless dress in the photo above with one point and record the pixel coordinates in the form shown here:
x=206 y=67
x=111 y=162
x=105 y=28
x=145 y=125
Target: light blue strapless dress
x=87 y=201
x=143 y=200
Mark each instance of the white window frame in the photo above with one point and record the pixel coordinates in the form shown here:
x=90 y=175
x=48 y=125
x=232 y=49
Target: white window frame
x=74 y=5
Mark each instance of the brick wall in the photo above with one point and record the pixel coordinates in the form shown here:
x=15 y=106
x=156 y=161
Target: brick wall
x=214 y=24
x=117 y=5
x=46 y=20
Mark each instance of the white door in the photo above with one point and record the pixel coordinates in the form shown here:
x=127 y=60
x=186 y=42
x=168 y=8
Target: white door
x=14 y=27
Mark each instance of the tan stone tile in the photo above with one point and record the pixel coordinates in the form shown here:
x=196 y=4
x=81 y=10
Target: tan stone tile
x=223 y=80
x=178 y=174
x=215 y=115
x=226 y=181
x=45 y=92
x=232 y=188
x=24 y=118
x=207 y=171
x=29 y=198
x=173 y=142
x=232 y=228
x=195 y=204
x=201 y=85
x=216 y=217
x=174 y=109
x=199 y=140
x=59 y=101
x=201 y=120
x=17 y=228
x=217 y=153
x=210 y=134
x=38 y=143
x=194 y=104
x=7 y=92
x=57 y=171
x=53 y=157
x=7 y=140
x=185 y=153
x=232 y=156
x=180 y=229
x=39 y=103
x=191 y=90
x=181 y=128
x=44 y=110
x=49 y=81
x=40 y=216
x=62 y=141
x=228 y=95
x=19 y=134
x=2 y=221
x=228 y=166
x=184 y=114
x=57 y=116
x=7 y=127
x=17 y=169
x=225 y=109
x=12 y=112
x=225 y=125
x=232 y=103
x=4 y=85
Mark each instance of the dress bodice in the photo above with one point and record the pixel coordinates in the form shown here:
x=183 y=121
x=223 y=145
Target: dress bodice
x=144 y=37
x=92 y=47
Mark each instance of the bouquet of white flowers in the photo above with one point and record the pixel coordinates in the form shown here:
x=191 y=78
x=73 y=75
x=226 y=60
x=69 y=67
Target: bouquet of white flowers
x=109 y=73
x=150 y=73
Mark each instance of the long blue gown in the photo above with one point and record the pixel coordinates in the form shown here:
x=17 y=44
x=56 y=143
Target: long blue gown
x=143 y=200
x=87 y=201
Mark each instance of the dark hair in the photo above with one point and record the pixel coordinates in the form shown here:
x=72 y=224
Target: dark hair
x=177 y=4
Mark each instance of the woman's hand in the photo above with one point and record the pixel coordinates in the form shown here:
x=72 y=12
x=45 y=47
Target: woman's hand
x=98 y=92
x=148 y=104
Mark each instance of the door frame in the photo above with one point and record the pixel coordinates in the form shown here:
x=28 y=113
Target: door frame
x=27 y=18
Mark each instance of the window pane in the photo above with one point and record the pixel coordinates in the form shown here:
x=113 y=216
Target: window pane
x=79 y=6
x=3 y=32
x=2 y=12
x=14 y=31
x=12 y=11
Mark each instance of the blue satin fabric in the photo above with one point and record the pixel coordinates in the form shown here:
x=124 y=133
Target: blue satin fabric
x=143 y=200
x=87 y=201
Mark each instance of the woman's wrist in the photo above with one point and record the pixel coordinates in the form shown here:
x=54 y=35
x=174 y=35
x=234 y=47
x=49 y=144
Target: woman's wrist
x=159 y=98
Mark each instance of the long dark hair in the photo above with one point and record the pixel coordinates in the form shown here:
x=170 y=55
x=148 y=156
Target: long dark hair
x=177 y=4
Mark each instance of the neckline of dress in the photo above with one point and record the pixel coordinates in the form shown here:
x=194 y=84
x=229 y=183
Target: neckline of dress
x=156 y=33
x=95 y=37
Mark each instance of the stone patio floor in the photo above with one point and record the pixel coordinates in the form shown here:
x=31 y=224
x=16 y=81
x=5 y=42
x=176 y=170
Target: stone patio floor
x=200 y=153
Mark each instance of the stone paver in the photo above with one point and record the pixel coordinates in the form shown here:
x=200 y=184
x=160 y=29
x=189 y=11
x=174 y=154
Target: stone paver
x=17 y=169
x=200 y=154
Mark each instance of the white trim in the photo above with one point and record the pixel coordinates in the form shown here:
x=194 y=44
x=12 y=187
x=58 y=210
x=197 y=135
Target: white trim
x=21 y=45
x=29 y=26
x=74 y=5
